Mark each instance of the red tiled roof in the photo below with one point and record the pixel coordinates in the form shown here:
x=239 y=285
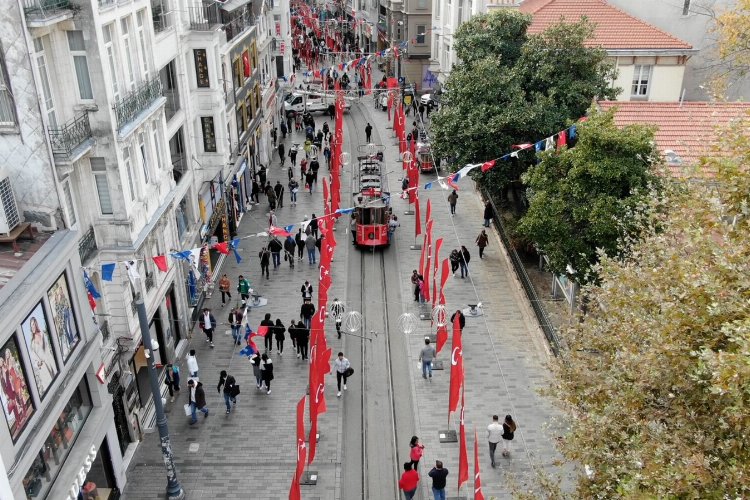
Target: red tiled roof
x=688 y=129
x=614 y=29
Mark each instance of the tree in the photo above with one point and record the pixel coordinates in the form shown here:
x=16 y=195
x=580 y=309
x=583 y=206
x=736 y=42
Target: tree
x=579 y=197
x=511 y=88
x=657 y=378
x=733 y=28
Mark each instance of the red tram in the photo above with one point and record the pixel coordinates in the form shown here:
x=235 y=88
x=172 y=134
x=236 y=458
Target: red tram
x=372 y=211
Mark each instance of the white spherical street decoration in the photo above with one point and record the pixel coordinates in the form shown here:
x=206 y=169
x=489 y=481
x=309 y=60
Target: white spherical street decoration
x=407 y=323
x=439 y=316
x=406 y=156
x=371 y=149
x=351 y=321
x=345 y=158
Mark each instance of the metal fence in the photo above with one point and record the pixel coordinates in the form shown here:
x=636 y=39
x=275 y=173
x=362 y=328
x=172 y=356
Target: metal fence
x=44 y=7
x=127 y=108
x=87 y=245
x=71 y=135
x=537 y=305
x=204 y=18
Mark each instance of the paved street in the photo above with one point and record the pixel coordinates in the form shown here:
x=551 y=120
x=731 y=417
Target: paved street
x=251 y=452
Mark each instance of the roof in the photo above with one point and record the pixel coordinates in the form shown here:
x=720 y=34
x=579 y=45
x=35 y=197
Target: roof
x=689 y=129
x=11 y=261
x=614 y=28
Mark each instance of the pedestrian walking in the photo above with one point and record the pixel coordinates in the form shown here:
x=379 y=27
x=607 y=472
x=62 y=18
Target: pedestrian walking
x=461 y=318
x=255 y=192
x=293 y=155
x=172 y=380
x=197 y=400
x=262 y=177
x=268 y=333
x=368 y=132
x=314 y=168
x=420 y=286
x=303 y=338
x=289 y=247
x=278 y=189
x=392 y=225
x=306 y=312
x=306 y=290
x=192 y=363
x=337 y=311
x=463 y=260
x=243 y=288
x=421 y=111
x=438 y=475
x=271 y=196
x=224 y=287
x=310 y=246
x=342 y=367
x=426 y=356
x=299 y=239
x=292 y=329
x=278 y=334
x=235 y=322
x=416 y=450
x=314 y=226
x=494 y=435
x=409 y=481
x=325 y=129
x=489 y=213
x=231 y=389
x=482 y=242
x=415 y=284
x=207 y=322
x=265 y=260
x=275 y=247
x=509 y=429
x=266 y=370
x=309 y=180
x=255 y=361
x=293 y=190
x=452 y=200
x=282 y=153
x=284 y=129
x=327 y=155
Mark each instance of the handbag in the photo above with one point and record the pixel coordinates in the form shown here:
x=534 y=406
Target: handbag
x=235 y=390
x=188 y=411
x=349 y=372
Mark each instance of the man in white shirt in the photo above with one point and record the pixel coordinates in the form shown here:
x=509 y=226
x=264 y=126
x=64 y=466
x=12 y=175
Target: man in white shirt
x=342 y=366
x=494 y=435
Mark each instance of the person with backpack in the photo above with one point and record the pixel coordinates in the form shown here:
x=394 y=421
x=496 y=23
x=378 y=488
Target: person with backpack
x=266 y=370
x=231 y=389
x=299 y=239
x=416 y=450
x=509 y=429
x=482 y=241
x=275 y=248
x=265 y=261
x=289 y=247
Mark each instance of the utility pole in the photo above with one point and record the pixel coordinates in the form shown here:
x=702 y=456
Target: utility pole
x=174 y=490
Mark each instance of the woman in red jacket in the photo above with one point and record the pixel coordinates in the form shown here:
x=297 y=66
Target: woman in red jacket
x=409 y=481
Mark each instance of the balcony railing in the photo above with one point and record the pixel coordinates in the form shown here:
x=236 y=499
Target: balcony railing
x=204 y=18
x=87 y=245
x=66 y=139
x=44 y=8
x=238 y=25
x=133 y=104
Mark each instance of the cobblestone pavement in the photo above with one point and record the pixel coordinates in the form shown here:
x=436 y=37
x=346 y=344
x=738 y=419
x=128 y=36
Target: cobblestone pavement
x=250 y=453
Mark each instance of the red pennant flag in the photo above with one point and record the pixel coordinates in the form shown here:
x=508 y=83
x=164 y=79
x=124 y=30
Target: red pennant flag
x=435 y=260
x=273 y=230
x=222 y=247
x=463 y=458
x=161 y=263
x=442 y=337
x=428 y=212
x=301 y=447
x=457 y=367
x=294 y=491
x=424 y=250
x=417 y=219
x=312 y=438
x=444 y=274
x=413 y=180
x=562 y=139
x=92 y=301
x=262 y=330
x=488 y=165
x=478 y=495
x=426 y=270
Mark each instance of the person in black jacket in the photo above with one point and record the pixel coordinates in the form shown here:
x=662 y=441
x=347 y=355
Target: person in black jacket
x=265 y=259
x=266 y=370
x=461 y=318
x=454 y=258
x=463 y=260
x=488 y=214
x=314 y=226
x=235 y=322
x=268 y=336
x=306 y=312
x=293 y=334
x=438 y=475
x=278 y=189
x=275 y=247
x=306 y=290
x=289 y=247
x=303 y=337
x=278 y=333
x=300 y=243
x=230 y=389
x=282 y=151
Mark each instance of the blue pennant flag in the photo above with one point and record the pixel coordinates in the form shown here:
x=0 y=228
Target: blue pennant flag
x=539 y=146
x=184 y=255
x=107 y=271
x=234 y=246
x=428 y=185
x=289 y=228
x=90 y=286
x=345 y=210
x=572 y=132
x=505 y=158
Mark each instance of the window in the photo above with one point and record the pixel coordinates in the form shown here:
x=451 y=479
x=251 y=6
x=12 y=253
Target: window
x=240 y=119
x=69 y=206
x=209 y=135
x=80 y=63
x=41 y=66
x=249 y=108
x=129 y=172
x=421 y=4
x=239 y=78
x=159 y=17
x=111 y=59
x=201 y=68
x=421 y=30
x=686 y=8
x=460 y=18
x=142 y=42
x=157 y=147
x=7 y=106
x=641 y=77
x=99 y=169
x=142 y=149
x=127 y=52
x=438 y=3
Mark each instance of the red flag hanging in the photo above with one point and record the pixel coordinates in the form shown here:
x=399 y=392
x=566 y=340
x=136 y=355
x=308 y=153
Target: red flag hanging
x=161 y=263
x=478 y=495
x=294 y=491
x=428 y=212
x=426 y=270
x=457 y=367
x=301 y=448
x=488 y=165
x=222 y=247
x=562 y=139
x=444 y=274
x=246 y=64
x=463 y=458
x=417 y=218
x=436 y=261
x=442 y=337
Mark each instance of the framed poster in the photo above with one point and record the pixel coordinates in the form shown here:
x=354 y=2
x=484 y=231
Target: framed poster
x=15 y=397
x=39 y=343
x=63 y=317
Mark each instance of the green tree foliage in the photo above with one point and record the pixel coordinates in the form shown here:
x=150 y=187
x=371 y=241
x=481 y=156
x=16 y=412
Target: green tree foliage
x=657 y=379
x=510 y=88
x=579 y=197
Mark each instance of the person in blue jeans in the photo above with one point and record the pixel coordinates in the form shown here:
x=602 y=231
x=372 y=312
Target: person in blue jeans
x=230 y=389
x=197 y=400
x=463 y=260
x=438 y=475
x=310 y=246
x=426 y=356
x=235 y=321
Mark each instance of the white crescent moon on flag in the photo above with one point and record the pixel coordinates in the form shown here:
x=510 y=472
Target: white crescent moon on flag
x=453 y=355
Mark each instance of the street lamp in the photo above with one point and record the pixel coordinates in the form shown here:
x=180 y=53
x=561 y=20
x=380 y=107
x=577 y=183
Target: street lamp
x=174 y=490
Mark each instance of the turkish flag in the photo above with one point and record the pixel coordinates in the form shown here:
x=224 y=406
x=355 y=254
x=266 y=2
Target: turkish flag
x=478 y=495
x=413 y=180
x=301 y=448
x=428 y=211
x=426 y=270
x=326 y=198
x=463 y=458
x=424 y=251
x=417 y=219
x=294 y=491
x=457 y=367
x=444 y=274
x=161 y=262
x=435 y=260
x=246 y=64
x=442 y=337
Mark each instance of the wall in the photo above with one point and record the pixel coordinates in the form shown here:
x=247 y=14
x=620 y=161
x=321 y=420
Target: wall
x=664 y=84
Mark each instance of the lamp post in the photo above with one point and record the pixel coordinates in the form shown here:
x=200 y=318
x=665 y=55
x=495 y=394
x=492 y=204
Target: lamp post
x=174 y=490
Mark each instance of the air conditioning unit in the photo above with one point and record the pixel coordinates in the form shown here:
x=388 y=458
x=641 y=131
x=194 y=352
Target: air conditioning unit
x=9 y=217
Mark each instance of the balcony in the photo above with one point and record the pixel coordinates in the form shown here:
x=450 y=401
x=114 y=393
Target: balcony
x=72 y=139
x=237 y=25
x=87 y=245
x=132 y=105
x=41 y=13
x=204 y=18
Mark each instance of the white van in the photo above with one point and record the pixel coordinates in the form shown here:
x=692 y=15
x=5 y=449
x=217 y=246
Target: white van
x=299 y=102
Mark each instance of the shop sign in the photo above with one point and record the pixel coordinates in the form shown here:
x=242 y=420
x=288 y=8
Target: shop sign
x=282 y=48
x=278 y=28
x=216 y=215
x=80 y=478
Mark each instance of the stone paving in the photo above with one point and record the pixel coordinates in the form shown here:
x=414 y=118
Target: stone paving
x=251 y=452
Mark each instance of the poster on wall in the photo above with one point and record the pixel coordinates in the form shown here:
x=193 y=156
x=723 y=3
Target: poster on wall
x=14 y=389
x=39 y=344
x=63 y=317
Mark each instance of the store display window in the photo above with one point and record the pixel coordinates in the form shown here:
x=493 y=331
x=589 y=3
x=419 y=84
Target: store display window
x=58 y=444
